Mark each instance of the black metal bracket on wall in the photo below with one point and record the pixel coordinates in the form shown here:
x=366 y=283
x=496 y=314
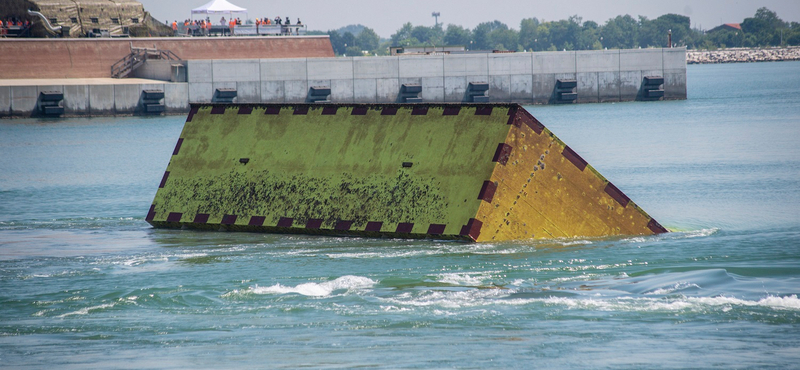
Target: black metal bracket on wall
x=564 y=91
x=152 y=101
x=50 y=103
x=652 y=88
x=409 y=93
x=319 y=94
x=224 y=95
x=477 y=92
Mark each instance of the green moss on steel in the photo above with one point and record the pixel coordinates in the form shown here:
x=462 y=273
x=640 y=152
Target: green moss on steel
x=333 y=167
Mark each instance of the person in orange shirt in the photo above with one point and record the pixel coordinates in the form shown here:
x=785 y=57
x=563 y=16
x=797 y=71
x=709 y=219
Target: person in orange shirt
x=175 y=27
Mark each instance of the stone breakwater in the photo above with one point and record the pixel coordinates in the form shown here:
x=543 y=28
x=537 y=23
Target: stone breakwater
x=742 y=55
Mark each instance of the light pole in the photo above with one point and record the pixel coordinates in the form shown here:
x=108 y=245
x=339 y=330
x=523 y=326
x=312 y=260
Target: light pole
x=670 y=38
x=436 y=15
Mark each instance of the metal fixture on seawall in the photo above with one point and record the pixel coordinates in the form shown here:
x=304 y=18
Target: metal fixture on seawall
x=477 y=172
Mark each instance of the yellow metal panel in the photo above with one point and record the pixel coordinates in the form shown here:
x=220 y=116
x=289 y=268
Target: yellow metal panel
x=542 y=194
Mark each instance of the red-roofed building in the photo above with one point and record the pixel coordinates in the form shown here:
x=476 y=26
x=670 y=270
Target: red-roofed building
x=727 y=26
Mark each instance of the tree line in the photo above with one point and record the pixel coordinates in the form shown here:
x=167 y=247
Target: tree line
x=764 y=29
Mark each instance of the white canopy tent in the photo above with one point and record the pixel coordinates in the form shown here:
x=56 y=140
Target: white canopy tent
x=219 y=7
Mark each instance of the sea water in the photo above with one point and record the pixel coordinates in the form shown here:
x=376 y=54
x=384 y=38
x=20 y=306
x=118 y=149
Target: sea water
x=85 y=282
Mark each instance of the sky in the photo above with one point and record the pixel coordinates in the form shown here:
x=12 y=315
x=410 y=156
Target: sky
x=386 y=17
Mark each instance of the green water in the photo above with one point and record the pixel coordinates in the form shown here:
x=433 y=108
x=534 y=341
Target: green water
x=86 y=283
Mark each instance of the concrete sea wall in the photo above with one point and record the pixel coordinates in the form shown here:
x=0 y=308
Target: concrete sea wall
x=90 y=97
x=527 y=78
x=524 y=78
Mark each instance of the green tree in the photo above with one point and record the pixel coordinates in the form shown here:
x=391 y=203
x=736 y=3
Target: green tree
x=504 y=38
x=771 y=18
x=336 y=42
x=792 y=35
x=422 y=33
x=763 y=29
x=529 y=33
x=353 y=51
x=482 y=35
x=621 y=32
x=457 y=35
x=349 y=39
x=564 y=33
x=403 y=34
x=725 y=38
x=367 y=39
x=655 y=32
x=589 y=37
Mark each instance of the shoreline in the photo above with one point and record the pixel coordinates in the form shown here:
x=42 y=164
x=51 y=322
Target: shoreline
x=743 y=55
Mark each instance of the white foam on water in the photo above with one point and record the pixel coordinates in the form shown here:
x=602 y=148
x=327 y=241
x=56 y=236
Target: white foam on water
x=691 y=233
x=637 y=239
x=136 y=261
x=676 y=287
x=789 y=303
x=447 y=298
x=388 y=254
x=190 y=255
x=573 y=278
x=573 y=242
x=462 y=279
x=87 y=310
x=324 y=289
x=693 y=304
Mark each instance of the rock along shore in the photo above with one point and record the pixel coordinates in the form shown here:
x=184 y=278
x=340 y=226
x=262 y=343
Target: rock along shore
x=742 y=55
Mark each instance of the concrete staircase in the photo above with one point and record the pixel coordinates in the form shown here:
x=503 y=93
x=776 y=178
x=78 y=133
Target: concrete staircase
x=136 y=58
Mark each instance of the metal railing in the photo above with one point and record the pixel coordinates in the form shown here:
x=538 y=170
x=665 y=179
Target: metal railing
x=137 y=57
x=243 y=30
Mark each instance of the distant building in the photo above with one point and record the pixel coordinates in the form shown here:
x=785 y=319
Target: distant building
x=86 y=17
x=425 y=50
x=727 y=26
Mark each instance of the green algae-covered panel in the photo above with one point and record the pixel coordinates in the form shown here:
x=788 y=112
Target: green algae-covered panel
x=410 y=170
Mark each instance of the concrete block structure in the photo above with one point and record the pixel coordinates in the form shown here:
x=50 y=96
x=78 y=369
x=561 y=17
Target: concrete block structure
x=396 y=170
x=524 y=78
x=90 y=97
x=5 y=100
x=23 y=99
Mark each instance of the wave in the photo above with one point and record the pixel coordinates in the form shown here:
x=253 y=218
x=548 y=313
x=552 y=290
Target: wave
x=87 y=310
x=638 y=304
x=75 y=223
x=324 y=289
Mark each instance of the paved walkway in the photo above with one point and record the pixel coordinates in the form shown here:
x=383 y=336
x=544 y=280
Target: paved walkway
x=79 y=81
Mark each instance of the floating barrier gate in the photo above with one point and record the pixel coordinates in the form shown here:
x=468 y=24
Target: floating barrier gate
x=478 y=172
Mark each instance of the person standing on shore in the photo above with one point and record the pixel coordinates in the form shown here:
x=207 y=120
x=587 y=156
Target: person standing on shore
x=175 y=28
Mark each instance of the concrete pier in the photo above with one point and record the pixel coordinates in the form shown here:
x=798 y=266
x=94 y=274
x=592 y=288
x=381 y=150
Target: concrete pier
x=524 y=78
x=89 y=96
